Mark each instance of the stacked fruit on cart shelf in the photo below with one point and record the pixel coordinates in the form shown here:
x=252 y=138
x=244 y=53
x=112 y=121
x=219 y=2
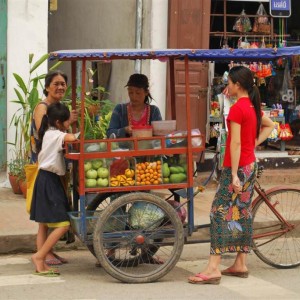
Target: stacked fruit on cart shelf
x=122 y=172
x=174 y=170
x=96 y=173
x=119 y=172
x=148 y=172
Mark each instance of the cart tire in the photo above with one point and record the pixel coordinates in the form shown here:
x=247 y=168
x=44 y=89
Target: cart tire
x=118 y=236
x=100 y=202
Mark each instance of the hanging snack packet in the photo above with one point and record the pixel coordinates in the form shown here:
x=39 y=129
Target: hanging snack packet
x=242 y=23
x=261 y=22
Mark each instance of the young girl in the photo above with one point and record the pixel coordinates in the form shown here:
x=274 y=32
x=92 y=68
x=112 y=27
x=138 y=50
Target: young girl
x=49 y=202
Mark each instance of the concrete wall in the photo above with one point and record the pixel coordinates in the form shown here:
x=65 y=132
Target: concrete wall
x=84 y=24
x=112 y=24
x=27 y=32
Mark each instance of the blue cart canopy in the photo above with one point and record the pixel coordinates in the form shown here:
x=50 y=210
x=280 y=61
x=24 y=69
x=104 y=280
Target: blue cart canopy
x=260 y=54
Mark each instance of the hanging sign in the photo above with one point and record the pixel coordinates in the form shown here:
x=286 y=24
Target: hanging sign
x=280 y=8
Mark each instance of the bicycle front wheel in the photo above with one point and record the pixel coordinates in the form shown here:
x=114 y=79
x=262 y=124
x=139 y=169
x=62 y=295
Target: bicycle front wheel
x=276 y=243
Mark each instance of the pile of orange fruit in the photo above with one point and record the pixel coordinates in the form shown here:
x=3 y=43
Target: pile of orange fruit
x=148 y=173
x=123 y=179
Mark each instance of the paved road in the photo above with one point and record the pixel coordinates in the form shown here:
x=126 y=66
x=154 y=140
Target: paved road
x=80 y=279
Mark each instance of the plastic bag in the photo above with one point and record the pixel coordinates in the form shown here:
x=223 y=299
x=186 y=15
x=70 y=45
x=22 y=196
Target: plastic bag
x=261 y=23
x=263 y=16
x=243 y=44
x=264 y=70
x=31 y=171
x=285 y=132
x=144 y=215
x=242 y=23
x=274 y=136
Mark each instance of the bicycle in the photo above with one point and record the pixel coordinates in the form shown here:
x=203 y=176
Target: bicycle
x=276 y=221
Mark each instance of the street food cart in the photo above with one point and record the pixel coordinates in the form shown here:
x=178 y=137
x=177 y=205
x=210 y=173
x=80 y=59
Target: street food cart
x=136 y=235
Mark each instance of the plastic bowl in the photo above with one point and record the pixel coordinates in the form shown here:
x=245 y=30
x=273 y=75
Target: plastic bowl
x=142 y=131
x=163 y=127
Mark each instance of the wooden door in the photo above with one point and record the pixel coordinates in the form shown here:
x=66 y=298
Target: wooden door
x=3 y=94
x=189 y=23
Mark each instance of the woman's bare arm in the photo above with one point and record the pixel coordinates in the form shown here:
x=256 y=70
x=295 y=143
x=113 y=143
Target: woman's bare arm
x=38 y=114
x=235 y=154
x=267 y=125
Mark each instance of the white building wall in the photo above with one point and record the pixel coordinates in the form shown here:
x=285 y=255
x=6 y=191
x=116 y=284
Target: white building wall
x=27 y=32
x=159 y=40
x=111 y=24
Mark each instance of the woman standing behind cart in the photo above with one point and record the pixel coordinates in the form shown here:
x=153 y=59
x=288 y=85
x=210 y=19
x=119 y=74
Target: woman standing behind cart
x=137 y=112
x=50 y=205
x=231 y=220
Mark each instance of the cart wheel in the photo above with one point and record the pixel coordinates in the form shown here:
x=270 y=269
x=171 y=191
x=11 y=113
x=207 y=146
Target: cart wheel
x=98 y=204
x=139 y=227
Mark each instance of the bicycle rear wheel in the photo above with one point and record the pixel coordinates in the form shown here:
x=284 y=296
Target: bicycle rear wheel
x=138 y=227
x=272 y=245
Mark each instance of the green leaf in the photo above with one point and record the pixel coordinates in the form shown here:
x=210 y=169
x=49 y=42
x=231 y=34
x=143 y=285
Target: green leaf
x=38 y=78
x=20 y=97
x=39 y=62
x=55 y=66
x=33 y=99
x=31 y=55
x=21 y=83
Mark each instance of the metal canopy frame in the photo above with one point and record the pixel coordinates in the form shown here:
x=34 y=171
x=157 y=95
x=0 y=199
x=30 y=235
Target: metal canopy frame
x=163 y=55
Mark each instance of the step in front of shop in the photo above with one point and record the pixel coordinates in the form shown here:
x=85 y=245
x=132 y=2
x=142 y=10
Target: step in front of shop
x=269 y=177
x=273 y=160
x=279 y=168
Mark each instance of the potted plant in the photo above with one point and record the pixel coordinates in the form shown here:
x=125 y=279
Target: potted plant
x=98 y=109
x=16 y=174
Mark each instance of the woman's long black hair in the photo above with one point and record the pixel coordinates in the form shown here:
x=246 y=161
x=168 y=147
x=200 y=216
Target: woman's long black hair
x=244 y=77
x=55 y=112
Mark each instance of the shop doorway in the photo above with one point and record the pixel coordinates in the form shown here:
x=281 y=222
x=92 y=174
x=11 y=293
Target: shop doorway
x=189 y=23
x=3 y=94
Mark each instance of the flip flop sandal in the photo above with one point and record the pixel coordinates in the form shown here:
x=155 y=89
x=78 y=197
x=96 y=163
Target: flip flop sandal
x=205 y=279
x=48 y=273
x=53 y=262
x=227 y=272
x=56 y=271
x=63 y=260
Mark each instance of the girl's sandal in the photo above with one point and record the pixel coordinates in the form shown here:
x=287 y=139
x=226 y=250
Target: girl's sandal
x=48 y=273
